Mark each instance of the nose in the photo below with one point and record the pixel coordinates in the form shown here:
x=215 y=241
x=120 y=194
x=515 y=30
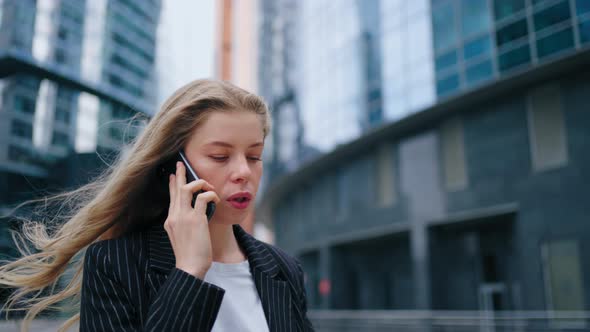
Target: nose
x=241 y=170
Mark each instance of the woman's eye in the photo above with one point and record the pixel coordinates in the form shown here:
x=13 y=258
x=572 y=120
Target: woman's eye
x=255 y=158
x=219 y=158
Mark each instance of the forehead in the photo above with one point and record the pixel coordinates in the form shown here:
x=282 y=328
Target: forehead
x=231 y=127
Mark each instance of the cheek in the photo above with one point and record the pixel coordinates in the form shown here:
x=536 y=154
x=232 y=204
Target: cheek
x=209 y=172
x=257 y=173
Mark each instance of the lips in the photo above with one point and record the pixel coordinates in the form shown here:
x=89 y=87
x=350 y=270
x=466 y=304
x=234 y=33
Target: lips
x=240 y=200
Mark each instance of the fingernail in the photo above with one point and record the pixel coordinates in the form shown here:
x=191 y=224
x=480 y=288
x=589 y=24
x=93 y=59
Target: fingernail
x=178 y=163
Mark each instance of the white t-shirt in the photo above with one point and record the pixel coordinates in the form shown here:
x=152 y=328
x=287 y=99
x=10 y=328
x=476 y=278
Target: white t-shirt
x=241 y=309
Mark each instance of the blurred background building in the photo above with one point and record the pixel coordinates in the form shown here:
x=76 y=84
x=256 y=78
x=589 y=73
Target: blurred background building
x=431 y=154
x=72 y=74
x=425 y=154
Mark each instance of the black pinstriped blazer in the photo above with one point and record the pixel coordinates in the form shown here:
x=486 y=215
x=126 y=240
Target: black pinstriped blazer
x=131 y=284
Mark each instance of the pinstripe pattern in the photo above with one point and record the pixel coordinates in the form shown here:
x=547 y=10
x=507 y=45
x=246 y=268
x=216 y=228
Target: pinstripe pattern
x=131 y=284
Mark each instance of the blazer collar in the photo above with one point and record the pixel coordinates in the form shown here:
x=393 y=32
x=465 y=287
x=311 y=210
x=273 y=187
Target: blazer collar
x=272 y=286
x=161 y=256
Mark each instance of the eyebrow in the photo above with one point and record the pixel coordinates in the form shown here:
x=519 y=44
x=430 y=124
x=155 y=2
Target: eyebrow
x=227 y=145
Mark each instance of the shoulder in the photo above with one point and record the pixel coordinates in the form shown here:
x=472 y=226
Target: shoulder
x=291 y=263
x=114 y=256
x=126 y=245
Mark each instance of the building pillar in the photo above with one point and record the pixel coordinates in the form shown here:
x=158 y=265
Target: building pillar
x=421 y=265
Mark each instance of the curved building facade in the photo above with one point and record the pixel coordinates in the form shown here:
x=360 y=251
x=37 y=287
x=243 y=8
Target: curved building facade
x=469 y=193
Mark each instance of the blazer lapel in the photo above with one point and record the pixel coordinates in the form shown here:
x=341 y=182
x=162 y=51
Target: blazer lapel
x=271 y=284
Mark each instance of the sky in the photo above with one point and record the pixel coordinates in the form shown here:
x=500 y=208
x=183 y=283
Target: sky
x=186 y=40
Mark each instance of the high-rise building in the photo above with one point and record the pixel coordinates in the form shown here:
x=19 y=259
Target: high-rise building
x=453 y=180
x=126 y=50
x=278 y=84
x=71 y=74
x=237 y=62
x=360 y=64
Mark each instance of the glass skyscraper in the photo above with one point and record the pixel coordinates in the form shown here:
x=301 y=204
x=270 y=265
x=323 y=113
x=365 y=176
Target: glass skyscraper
x=478 y=41
x=356 y=65
x=72 y=73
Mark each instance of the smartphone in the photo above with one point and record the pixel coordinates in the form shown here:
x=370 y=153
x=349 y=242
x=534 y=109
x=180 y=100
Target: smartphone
x=169 y=167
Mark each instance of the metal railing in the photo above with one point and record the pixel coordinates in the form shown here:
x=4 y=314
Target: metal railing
x=449 y=321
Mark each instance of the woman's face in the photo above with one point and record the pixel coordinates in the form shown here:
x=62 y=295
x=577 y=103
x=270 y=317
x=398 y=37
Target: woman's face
x=226 y=151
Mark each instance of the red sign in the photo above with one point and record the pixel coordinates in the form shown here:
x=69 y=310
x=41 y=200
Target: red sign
x=324 y=287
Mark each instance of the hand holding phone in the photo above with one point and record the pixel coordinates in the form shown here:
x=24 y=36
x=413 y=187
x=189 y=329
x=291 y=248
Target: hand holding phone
x=188 y=228
x=169 y=167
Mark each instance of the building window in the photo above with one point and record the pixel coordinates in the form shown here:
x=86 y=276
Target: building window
x=475 y=17
x=16 y=153
x=477 y=47
x=453 y=155
x=62 y=33
x=584 y=28
x=552 y=15
x=505 y=8
x=62 y=115
x=511 y=32
x=514 y=58
x=446 y=61
x=582 y=7
x=385 y=179
x=115 y=80
x=547 y=129
x=116 y=133
x=60 y=139
x=22 y=129
x=60 y=56
x=445 y=34
x=564 y=287
x=65 y=94
x=24 y=104
x=479 y=72
x=447 y=85
x=556 y=42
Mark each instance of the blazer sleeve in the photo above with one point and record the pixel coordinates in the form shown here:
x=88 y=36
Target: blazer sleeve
x=183 y=302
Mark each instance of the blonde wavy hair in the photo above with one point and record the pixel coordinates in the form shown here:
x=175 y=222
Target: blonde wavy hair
x=112 y=204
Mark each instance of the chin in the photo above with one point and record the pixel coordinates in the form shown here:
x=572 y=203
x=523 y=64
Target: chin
x=234 y=217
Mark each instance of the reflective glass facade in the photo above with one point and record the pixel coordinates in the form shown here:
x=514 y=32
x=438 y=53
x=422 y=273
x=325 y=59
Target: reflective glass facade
x=109 y=44
x=331 y=78
x=341 y=68
x=476 y=41
x=408 y=71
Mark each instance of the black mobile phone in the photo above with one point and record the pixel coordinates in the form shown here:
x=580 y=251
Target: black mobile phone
x=169 y=167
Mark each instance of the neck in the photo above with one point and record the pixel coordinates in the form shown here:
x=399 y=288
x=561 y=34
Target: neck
x=224 y=244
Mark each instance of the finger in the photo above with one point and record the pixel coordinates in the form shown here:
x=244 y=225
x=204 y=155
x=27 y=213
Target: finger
x=197 y=185
x=172 y=190
x=180 y=181
x=203 y=199
x=188 y=190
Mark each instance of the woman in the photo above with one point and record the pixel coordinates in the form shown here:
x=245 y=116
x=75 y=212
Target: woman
x=152 y=260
